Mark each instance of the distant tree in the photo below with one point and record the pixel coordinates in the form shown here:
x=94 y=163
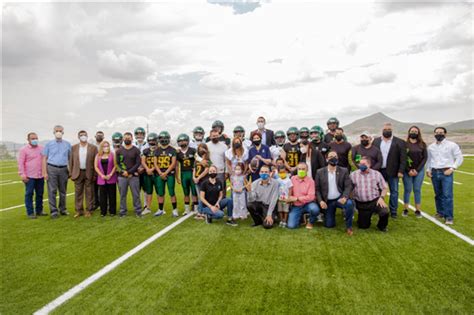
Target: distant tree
x=4 y=154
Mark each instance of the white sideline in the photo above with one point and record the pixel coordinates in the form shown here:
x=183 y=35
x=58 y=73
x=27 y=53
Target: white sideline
x=102 y=272
x=9 y=183
x=20 y=206
x=9 y=173
x=463 y=172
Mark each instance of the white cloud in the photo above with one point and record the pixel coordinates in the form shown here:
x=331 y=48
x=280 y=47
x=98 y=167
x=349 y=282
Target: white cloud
x=125 y=65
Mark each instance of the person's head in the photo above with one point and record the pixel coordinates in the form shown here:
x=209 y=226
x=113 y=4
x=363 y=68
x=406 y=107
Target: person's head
x=332 y=158
x=198 y=133
x=214 y=135
x=239 y=169
x=203 y=151
x=58 y=131
x=282 y=171
x=237 y=148
x=292 y=133
x=261 y=122
x=365 y=139
x=32 y=138
x=440 y=133
x=127 y=138
x=332 y=124
x=304 y=135
x=104 y=147
x=365 y=163
x=218 y=125
x=264 y=172
x=339 y=135
x=99 y=136
x=316 y=134
x=239 y=132
x=280 y=138
x=82 y=136
x=414 y=133
x=117 y=139
x=213 y=171
x=302 y=169
x=256 y=138
x=139 y=133
x=387 y=130
x=279 y=162
x=183 y=141
x=152 y=139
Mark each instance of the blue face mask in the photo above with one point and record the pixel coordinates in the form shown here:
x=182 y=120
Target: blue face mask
x=363 y=168
x=264 y=176
x=34 y=142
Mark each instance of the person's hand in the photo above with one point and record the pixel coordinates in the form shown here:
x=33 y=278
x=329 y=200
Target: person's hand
x=323 y=205
x=248 y=185
x=102 y=176
x=24 y=179
x=217 y=206
x=448 y=172
x=107 y=177
x=400 y=175
x=291 y=199
x=342 y=200
x=125 y=174
x=269 y=220
x=178 y=180
x=428 y=173
x=258 y=157
x=195 y=180
x=163 y=176
x=381 y=203
x=213 y=208
x=149 y=172
x=45 y=175
x=292 y=169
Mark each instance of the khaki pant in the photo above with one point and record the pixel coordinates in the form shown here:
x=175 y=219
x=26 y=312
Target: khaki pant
x=83 y=186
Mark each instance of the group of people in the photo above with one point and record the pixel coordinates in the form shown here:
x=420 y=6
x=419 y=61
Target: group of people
x=291 y=178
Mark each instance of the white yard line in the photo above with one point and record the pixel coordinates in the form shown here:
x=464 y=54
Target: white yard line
x=463 y=172
x=426 y=183
x=15 y=182
x=20 y=206
x=102 y=272
x=457 y=183
x=4 y=181
x=9 y=173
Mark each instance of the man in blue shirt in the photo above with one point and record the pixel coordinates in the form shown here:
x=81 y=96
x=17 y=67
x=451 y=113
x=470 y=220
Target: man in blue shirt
x=259 y=155
x=55 y=170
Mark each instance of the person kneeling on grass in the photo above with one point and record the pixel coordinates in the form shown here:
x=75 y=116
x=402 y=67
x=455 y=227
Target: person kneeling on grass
x=303 y=196
x=262 y=198
x=213 y=201
x=369 y=191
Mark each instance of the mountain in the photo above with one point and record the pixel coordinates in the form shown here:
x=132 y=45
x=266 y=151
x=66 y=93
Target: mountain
x=461 y=125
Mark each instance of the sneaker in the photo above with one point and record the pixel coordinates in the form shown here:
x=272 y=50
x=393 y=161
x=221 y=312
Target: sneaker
x=208 y=219
x=146 y=211
x=112 y=214
x=418 y=214
x=175 y=213
x=199 y=217
x=54 y=215
x=185 y=213
x=309 y=226
x=449 y=222
x=385 y=230
x=32 y=216
x=405 y=213
x=138 y=215
x=349 y=231
x=285 y=224
x=320 y=218
x=42 y=214
x=88 y=214
x=281 y=224
x=159 y=213
x=439 y=216
x=231 y=222
x=394 y=215
x=64 y=212
x=77 y=215
x=102 y=215
x=122 y=215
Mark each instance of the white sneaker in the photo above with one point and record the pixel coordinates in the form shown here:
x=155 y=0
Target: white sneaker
x=185 y=213
x=320 y=218
x=175 y=213
x=146 y=211
x=159 y=213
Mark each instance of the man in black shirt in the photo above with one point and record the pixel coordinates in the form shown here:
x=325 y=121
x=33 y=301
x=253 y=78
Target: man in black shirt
x=365 y=148
x=342 y=148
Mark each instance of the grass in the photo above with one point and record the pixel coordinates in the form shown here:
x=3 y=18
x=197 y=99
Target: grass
x=196 y=268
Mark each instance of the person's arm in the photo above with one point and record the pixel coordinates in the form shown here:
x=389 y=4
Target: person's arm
x=96 y=167
x=203 y=199
x=423 y=160
x=403 y=157
x=268 y=157
x=221 y=195
x=45 y=168
x=318 y=186
x=428 y=161
x=273 y=198
x=458 y=159
x=378 y=163
x=172 y=166
x=21 y=164
x=311 y=194
x=71 y=163
x=137 y=164
x=114 y=169
x=347 y=186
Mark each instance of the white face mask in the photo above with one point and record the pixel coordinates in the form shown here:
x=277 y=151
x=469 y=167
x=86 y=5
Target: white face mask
x=198 y=157
x=58 y=134
x=304 y=149
x=83 y=138
x=260 y=125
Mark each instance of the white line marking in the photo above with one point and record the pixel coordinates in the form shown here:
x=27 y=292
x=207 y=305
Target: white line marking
x=102 y=272
x=9 y=173
x=4 y=181
x=441 y=225
x=463 y=172
x=15 y=182
x=426 y=183
x=457 y=183
x=3 y=167
x=20 y=206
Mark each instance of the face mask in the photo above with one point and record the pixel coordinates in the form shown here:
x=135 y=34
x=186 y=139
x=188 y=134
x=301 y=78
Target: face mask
x=202 y=152
x=364 y=143
x=332 y=129
x=83 y=138
x=215 y=140
x=333 y=161
x=257 y=142
x=301 y=173
x=315 y=139
x=260 y=125
x=106 y=149
x=198 y=158
x=34 y=143
x=387 y=133
x=304 y=141
x=238 y=172
x=338 y=137
x=282 y=175
x=164 y=142
x=237 y=145
x=264 y=176
x=127 y=142
x=183 y=145
x=99 y=139
x=439 y=137
x=198 y=137
x=363 y=167
x=58 y=134
x=304 y=150
x=413 y=136
x=152 y=144
x=212 y=175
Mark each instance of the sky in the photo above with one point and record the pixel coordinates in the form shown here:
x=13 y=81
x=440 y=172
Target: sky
x=177 y=65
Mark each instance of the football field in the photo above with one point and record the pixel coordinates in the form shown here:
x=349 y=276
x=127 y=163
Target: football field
x=417 y=267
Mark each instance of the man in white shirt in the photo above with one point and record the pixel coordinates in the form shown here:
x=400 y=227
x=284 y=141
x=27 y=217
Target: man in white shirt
x=217 y=151
x=444 y=157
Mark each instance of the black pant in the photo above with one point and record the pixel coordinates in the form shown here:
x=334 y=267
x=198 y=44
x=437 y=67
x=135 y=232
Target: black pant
x=366 y=209
x=96 y=196
x=258 y=210
x=108 y=198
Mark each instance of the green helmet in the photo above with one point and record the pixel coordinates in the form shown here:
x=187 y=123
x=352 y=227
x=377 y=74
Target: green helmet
x=218 y=124
x=164 y=137
x=279 y=134
x=304 y=129
x=333 y=120
x=117 y=136
x=198 y=129
x=292 y=130
x=182 y=137
x=152 y=136
x=139 y=130
x=239 y=129
x=319 y=130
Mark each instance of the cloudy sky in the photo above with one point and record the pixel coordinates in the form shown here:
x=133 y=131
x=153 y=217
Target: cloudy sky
x=177 y=65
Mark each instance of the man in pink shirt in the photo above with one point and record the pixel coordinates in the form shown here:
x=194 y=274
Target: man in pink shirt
x=303 y=197
x=29 y=169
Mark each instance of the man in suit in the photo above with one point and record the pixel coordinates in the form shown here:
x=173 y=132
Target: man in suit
x=267 y=134
x=81 y=164
x=333 y=187
x=394 y=157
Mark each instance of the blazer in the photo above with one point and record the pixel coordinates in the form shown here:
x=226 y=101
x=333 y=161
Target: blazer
x=317 y=161
x=74 y=164
x=270 y=140
x=397 y=156
x=110 y=166
x=343 y=181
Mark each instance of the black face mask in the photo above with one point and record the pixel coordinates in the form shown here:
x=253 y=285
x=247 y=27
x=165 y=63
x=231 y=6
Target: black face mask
x=237 y=145
x=127 y=142
x=215 y=140
x=304 y=141
x=387 y=133
x=413 y=136
x=338 y=137
x=212 y=175
x=164 y=142
x=99 y=139
x=183 y=145
x=257 y=142
x=333 y=161
x=439 y=137
x=152 y=144
x=364 y=143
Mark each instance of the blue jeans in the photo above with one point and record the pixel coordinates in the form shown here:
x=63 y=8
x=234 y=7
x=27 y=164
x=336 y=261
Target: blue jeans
x=34 y=186
x=330 y=216
x=297 y=211
x=443 y=189
x=219 y=214
x=393 y=187
x=413 y=183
